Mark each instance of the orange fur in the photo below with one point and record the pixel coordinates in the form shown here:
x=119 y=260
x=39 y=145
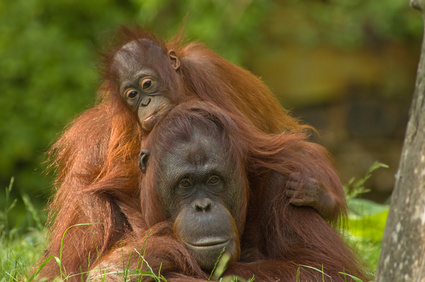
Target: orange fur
x=96 y=157
x=278 y=238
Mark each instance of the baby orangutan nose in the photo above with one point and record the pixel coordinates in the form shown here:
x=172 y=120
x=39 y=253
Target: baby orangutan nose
x=145 y=101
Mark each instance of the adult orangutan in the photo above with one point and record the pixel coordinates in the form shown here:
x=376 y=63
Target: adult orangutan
x=144 y=78
x=196 y=200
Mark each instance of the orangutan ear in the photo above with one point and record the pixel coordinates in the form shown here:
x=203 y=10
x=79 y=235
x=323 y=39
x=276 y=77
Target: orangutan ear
x=143 y=160
x=175 y=62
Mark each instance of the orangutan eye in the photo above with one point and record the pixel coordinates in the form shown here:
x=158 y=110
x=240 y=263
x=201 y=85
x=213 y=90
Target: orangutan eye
x=185 y=183
x=131 y=93
x=146 y=83
x=214 y=180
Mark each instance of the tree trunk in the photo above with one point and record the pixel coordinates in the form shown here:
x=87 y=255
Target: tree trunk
x=403 y=246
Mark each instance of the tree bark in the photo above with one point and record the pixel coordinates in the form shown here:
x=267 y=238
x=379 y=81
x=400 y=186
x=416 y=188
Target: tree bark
x=403 y=247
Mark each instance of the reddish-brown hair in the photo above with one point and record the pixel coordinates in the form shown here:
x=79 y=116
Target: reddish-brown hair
x=96 y=157
x=278 y=238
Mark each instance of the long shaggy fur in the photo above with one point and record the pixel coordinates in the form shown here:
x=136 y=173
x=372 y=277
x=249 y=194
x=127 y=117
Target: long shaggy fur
x=96 y=157
x=278 y=238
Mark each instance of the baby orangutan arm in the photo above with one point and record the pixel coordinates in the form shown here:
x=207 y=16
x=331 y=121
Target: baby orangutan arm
x=313 y=194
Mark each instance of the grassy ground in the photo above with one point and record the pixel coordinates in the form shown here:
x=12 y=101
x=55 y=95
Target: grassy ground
x=22 y=245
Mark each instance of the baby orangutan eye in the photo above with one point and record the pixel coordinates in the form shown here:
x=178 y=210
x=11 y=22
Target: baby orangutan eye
x=146 y=83
x=131 y=93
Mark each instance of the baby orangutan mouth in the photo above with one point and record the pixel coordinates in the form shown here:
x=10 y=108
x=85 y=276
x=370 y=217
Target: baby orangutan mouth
x=149 y=122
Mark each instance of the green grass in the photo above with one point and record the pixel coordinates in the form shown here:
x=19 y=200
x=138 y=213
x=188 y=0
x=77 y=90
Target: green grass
x=366 y=220
x=23 y=244
x=20 y=245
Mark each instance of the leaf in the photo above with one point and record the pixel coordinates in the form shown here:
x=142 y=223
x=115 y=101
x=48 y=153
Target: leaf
x=364 y=207
x=371 y=227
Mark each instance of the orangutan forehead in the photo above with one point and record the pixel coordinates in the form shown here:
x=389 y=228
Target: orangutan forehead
x=140 y=47
x=137 y=53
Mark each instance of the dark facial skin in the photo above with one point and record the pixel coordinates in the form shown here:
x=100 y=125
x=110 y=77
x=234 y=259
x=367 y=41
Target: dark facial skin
x=199 y=194
x=146 y=76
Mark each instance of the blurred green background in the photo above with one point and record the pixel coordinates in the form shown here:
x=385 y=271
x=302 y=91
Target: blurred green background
x=345 y=66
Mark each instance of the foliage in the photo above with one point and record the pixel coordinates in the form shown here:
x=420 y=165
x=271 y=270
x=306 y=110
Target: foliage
x=366 y=219
x=20 y=245
x=349 y=23
x=47 y=78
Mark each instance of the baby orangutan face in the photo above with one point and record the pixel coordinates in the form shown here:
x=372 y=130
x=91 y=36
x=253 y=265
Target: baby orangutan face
x=146 y=76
